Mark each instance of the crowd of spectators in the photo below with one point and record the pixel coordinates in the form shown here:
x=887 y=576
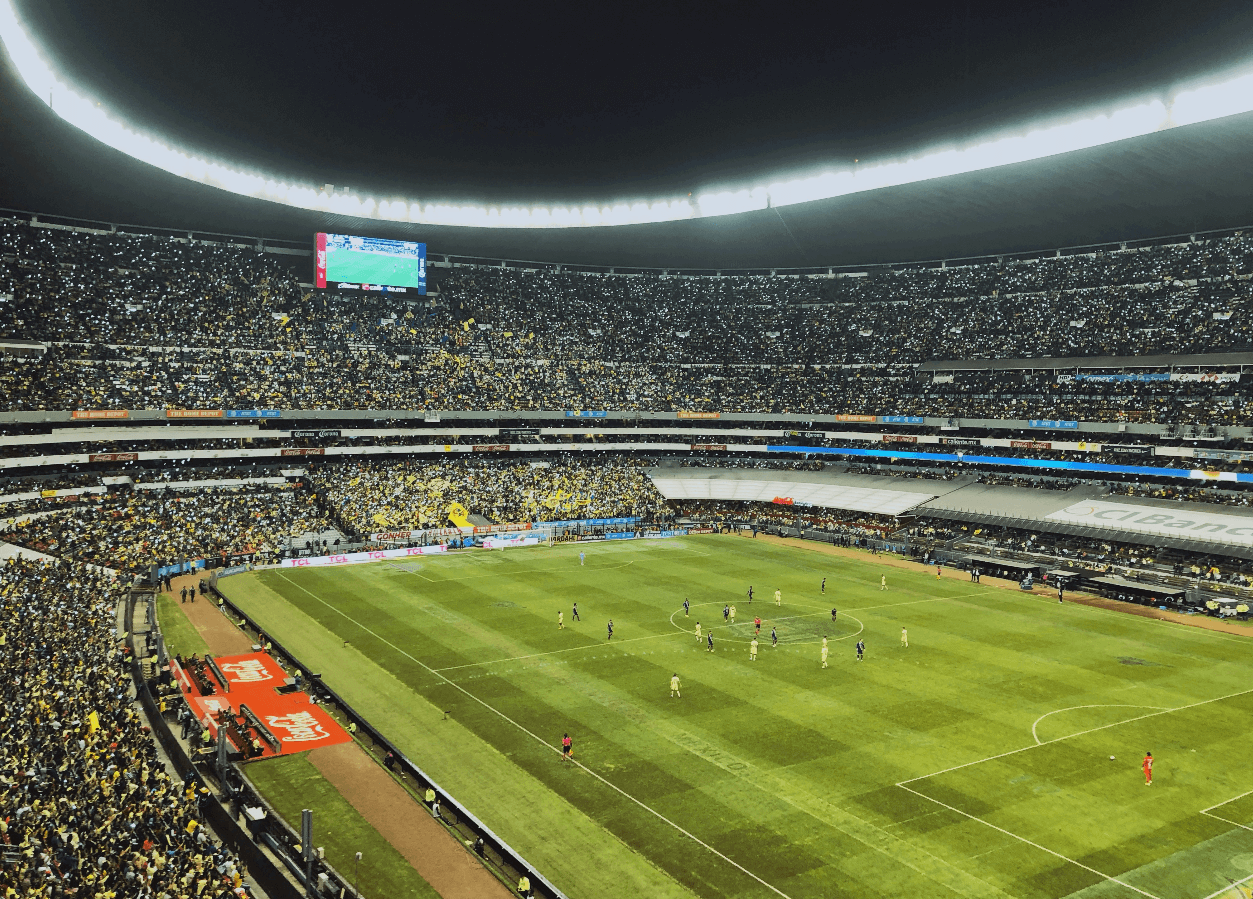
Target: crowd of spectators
x=87 y=809
x=128 y=531
x=141 y=322
x=371 y=496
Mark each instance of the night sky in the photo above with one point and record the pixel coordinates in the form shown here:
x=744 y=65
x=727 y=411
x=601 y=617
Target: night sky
x=519 y=102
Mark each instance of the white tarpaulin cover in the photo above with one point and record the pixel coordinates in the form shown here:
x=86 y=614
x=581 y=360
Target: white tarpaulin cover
x=1182 y=524
x=828 y=495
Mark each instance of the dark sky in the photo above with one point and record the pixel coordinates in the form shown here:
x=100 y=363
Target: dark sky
x=518 y=102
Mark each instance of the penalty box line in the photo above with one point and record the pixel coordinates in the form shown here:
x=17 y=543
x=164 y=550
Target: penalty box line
x=1209 y=813
x=1015 y=836
x=904 y=786
x=545 y=743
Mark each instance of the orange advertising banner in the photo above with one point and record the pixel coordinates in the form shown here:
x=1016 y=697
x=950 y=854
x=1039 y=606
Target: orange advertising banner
x=193 y=413
x=100 y=413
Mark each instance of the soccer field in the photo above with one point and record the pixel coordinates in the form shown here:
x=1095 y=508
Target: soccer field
x=975 y=762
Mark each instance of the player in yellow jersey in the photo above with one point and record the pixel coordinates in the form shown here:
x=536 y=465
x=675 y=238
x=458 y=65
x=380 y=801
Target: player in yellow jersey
x=778 y=597
x=698 y=632
x=561 y=620
x=905 y=638
x=752 y=650
x=825 y=651
x=674 y=685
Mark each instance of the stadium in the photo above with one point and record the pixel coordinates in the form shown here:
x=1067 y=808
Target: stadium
x=824 y=473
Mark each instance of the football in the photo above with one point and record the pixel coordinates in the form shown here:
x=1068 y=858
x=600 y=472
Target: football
x=1111 y=758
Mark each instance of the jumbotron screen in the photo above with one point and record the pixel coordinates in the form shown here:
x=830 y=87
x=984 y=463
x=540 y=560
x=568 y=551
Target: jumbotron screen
x=369 y=263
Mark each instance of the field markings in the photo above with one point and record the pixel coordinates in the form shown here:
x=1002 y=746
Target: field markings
x=1099 y=705
x=903 y=784
x=542 y=741
x=1208 y=812
x=1235 y=884
x=1081 y=733
x=1007 y=833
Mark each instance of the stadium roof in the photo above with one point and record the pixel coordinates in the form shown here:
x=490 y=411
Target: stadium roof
x=1175 y=181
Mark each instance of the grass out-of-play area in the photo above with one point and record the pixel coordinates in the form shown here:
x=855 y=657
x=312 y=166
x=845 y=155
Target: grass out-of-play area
x=997 y=755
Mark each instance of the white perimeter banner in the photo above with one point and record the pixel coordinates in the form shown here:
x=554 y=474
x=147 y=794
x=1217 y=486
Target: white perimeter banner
x=1189 y=525
x=355 y=558
x=1207 y=377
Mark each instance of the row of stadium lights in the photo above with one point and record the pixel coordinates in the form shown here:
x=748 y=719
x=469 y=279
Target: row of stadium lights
x=1224 y=98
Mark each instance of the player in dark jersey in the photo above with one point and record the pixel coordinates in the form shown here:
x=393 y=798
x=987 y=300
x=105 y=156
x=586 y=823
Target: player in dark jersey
x=686 y=607
x=824 y=585
x=774 y=636
x=709 y=638
x=861 y=649
x=574 y=613
x=610 y=637
x=750 y=592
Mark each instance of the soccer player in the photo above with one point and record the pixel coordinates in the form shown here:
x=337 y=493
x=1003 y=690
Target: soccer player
x=774 y=637
x=757 y=625
x=778 y=597
x=561 y=621
x=824 y=585
x=861 y=649
x=905 y=638
x=674 y=685
x=709 y=638
x=610 y=637
x=574 y=613
x=752 y=650
x=581 y=557
x=833 y=614
x=733 y=614
x=750 y=593
x=567 y=747
x=937 y=572
x=726 y=613
x=825 y=651
x=1060 y=591
x=698 y=632
x=686 y=607
x=1147 y=767
x=883 y=582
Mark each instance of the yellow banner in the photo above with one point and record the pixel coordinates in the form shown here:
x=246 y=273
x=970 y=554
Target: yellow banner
x=459 y=515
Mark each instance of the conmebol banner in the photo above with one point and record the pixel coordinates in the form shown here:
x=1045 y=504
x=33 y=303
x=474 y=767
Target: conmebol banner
x=356 y=558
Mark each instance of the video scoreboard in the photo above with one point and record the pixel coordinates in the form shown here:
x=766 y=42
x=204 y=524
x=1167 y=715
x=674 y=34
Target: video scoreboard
x=369 y=263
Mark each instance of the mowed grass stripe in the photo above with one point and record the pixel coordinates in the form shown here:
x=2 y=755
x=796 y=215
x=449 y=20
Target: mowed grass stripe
x=983 y=665
x=550 y=832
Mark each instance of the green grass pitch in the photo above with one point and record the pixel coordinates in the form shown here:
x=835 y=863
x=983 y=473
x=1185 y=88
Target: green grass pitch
x=360 y=267
x=975 y=762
